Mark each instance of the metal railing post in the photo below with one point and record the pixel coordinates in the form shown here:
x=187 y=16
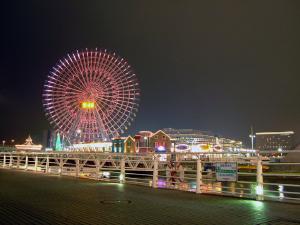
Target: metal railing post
x=61 y=165
x=155 y=172
x=122 y=174
x=18 y=162
x=10 y=161
x=259 y=180
x=26 y=162
x=4 y=160
x=36 y=163
x=77 y=168
x=97 y=168
x=199 y=176
x=47 y=164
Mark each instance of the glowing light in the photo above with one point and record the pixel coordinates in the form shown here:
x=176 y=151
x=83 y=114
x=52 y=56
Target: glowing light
x=272 y=133
x=121 y=177
x=87 y=105
x=161 y=148
x=106 y=174
x=257 y=205
x=259 y=190
x=280 y=189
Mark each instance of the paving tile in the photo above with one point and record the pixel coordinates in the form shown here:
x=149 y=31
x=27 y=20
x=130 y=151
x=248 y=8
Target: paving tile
x=27 y=198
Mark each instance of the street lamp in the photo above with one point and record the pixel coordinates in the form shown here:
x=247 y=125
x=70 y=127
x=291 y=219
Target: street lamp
x=3 y=142
x=252 y=136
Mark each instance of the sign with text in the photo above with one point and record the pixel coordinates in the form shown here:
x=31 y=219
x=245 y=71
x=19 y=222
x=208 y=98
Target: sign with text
x=226 y=171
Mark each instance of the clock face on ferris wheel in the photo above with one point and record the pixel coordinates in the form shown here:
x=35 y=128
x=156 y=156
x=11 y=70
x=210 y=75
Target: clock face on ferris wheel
x=91 y=96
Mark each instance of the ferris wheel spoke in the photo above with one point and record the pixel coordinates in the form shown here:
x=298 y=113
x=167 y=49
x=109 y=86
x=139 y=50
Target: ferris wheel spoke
x=75 y=72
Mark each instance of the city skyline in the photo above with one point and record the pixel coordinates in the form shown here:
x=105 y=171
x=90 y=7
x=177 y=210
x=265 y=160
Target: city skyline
x=196 y=70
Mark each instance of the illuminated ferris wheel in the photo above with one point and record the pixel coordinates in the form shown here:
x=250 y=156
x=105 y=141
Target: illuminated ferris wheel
x=91 y=96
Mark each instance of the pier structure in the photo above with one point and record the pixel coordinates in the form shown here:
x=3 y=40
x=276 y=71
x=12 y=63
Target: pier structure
x=227 y=174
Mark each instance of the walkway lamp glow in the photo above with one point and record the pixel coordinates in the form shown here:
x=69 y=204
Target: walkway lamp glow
x=121 y=177
x=280 y=150
x=259 y=190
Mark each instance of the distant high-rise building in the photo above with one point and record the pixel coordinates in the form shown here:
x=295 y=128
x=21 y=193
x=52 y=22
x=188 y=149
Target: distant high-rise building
x=274 y=141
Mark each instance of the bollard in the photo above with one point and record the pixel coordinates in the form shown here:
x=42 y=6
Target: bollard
x=36 y=164
x=259 y=180
x=122 y=174
x=4 y=161
x=155 y=172
x=47 y=164
x=26 y=162
x=199 y=176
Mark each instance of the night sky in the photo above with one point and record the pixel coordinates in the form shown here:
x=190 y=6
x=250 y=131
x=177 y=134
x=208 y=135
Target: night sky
x=220 y=66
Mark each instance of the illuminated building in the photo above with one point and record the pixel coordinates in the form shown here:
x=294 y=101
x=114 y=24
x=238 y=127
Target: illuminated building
x=196 y=141
x=148 y=142
x=142 y=141
x=29 y=146
x=160 y=142
x=90 y=147
x=123 y=145
x=274 y=141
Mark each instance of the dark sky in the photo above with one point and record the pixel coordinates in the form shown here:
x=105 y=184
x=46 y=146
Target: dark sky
x=213 y=65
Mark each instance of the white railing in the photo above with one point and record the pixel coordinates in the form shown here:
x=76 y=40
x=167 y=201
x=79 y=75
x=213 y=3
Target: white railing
x=194 y=172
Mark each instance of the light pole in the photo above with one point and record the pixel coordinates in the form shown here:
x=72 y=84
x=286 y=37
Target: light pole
x=252 y=136
x=3 y=142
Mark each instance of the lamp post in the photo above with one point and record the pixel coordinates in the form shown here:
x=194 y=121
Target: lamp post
x=3 y=143
x=252 y=136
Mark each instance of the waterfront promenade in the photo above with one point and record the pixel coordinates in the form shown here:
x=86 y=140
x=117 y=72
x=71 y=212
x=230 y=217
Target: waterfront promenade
x=27 y=198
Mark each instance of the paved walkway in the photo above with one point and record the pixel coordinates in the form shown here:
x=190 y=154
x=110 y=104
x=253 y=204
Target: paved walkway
x=27 y=198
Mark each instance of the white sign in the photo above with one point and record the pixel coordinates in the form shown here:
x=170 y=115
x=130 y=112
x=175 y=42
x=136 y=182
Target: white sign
x=226 y=171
